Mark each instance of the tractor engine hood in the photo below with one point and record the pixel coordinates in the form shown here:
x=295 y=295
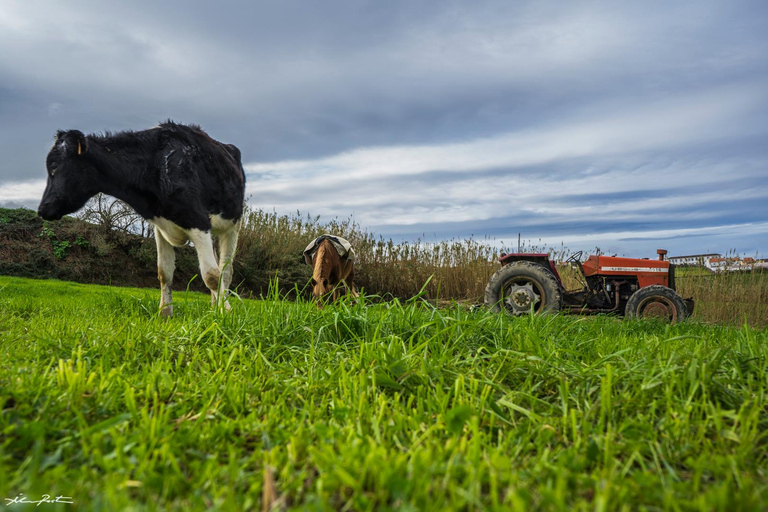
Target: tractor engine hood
x=647 y=272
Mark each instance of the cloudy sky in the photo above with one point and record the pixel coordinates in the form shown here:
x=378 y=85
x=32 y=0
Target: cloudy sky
x=621 y=125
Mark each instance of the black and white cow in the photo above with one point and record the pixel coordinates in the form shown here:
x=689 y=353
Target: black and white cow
x=188 y=185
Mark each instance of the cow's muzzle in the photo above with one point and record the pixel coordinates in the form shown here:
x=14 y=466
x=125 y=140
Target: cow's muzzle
x=46 y=211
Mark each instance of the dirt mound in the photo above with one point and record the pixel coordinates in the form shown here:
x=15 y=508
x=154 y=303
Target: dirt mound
x=74 y=250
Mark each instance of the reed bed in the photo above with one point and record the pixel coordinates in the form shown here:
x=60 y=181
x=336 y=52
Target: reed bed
x=456 y=270
x=726 y=297
x=271 y=246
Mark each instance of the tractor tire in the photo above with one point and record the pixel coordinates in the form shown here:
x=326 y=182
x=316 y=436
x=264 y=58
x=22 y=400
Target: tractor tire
x=657 y=301
x=521 y=286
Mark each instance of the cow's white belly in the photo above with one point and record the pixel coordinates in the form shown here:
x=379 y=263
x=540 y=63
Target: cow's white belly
x=178 y=236
x=219 y=225
x=175 y=234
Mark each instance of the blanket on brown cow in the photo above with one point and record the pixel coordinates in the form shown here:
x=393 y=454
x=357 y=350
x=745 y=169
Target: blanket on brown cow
x=343 y=247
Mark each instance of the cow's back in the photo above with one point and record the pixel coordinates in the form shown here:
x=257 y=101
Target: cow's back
x=209 y=171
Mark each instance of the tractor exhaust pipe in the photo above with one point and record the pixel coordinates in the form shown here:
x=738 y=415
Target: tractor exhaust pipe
x=661 y=253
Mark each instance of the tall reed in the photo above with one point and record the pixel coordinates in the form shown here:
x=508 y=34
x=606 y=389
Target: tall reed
x=726 y=297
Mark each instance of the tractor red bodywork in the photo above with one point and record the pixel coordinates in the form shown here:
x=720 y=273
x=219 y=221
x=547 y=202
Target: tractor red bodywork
x=647 y=272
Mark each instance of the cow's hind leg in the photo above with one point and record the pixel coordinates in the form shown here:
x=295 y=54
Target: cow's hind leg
x=227 y=246
x=166 y=263
x=209 y=268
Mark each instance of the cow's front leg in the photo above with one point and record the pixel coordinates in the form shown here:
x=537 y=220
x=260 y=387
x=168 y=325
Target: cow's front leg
x=209 y=269
x=166 y=263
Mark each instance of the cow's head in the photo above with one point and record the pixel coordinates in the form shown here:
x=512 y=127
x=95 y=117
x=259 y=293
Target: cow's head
x=71 y=178
x=320 y=288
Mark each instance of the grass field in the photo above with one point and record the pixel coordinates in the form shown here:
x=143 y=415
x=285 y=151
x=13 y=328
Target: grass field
x=370 y=407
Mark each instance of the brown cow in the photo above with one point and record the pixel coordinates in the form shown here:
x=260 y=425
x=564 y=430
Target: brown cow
x=332 y=260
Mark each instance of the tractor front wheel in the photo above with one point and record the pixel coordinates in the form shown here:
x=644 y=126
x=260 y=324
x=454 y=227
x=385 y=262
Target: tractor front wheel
x=522 y=287
x=657 y=301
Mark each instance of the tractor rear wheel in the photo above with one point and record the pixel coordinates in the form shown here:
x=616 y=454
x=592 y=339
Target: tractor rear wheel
x=523 y=286
x=657 y=301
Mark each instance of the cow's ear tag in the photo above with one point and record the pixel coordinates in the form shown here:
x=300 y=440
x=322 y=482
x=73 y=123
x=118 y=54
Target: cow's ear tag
x=79 y=149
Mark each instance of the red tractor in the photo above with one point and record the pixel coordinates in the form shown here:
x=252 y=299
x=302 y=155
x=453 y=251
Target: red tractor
x=636 y=288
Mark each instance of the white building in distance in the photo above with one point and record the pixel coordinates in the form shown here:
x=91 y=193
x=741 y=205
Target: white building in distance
x=717 y=263
x=703 y=260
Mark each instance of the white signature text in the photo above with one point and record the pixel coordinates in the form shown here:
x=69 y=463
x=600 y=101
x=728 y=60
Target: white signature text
x=46 y=498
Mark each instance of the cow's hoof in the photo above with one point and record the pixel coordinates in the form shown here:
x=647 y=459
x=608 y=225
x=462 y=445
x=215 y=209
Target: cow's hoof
x=166 y=311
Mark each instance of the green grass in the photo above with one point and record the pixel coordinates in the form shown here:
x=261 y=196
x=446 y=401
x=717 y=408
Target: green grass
x=370 y=407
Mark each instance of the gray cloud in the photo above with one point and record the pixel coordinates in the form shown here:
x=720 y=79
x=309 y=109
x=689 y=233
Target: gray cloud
x=430 y=116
